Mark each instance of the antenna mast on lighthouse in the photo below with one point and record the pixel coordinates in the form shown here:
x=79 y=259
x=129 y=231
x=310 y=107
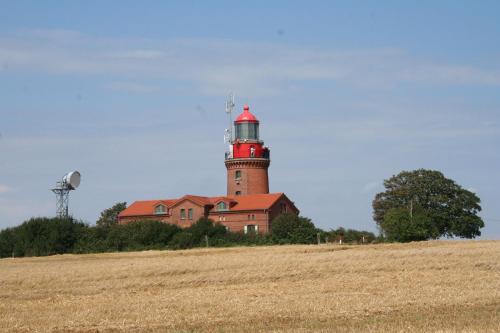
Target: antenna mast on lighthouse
x=228 y=133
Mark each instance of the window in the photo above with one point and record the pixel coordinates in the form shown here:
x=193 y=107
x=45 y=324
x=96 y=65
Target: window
x=283 y=207
x=221 y=206
x=183 y=214
x=190 y=213
x=160 y=209
x=251 y=228
x=237 y=175
x=249 y=131
x=238 y=192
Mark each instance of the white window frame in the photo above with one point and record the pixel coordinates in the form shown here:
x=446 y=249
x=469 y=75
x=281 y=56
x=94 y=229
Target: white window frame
x=219 y=209
x=245 y=228
x=163 y=210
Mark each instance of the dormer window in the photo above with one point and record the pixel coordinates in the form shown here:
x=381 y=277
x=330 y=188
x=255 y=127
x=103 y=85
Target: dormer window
x=221 y=206
x=160 y=209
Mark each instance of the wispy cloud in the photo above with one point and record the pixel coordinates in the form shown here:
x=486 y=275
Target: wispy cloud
x=4 y=188
x=221 y=65
x=132 y=87
x=139 y=54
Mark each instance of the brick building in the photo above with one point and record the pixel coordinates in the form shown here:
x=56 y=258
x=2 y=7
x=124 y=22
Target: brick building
x=248 y=206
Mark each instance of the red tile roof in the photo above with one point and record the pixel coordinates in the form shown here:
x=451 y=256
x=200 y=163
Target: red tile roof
x=254 y=201
x=146 y=207
x=243 y=203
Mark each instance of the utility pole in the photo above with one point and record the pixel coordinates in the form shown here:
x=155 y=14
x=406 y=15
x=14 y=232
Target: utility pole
x=411 y=209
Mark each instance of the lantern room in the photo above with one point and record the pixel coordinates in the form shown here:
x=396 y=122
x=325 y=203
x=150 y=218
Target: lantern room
x=246 y=143
x=246 y=126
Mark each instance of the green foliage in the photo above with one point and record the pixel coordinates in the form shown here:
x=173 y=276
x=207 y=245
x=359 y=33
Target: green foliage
x=400 y=226
x=205 y=226
x=182 y=240
x=46 y=236
x=140 y=235
x=290 y=228
x=40 y=236
x=92 y=240
x=194 y=235
x=109 y=216
x=7 y=242
x=439 y=207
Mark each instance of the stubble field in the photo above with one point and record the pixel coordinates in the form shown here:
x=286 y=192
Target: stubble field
x=418 y=287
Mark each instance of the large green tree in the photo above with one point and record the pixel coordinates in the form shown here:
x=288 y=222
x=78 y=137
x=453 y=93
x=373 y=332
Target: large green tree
x=424 y=204
x=110 y=216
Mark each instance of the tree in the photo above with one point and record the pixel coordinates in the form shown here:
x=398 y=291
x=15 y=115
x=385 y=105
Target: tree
x=205 y=226
x=110 y=216
x=423 y=204
x=400 y=226
x=290 y=228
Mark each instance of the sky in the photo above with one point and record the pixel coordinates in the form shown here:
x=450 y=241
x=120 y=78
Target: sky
x=348 y=93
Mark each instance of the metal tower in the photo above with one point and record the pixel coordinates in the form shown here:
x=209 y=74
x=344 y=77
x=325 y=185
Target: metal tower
x=69 y=182
x=62 y=194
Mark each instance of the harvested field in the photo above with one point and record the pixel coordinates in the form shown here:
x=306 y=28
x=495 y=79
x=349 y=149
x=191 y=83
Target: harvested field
x=418 y=287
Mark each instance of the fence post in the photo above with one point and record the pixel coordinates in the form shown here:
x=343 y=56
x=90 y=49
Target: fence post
x=319 y=238
x=206 y=240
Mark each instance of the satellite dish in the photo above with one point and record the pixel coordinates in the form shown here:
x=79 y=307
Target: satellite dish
x=72 y=179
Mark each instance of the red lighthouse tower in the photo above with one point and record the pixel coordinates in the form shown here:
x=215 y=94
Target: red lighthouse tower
x=248 y=159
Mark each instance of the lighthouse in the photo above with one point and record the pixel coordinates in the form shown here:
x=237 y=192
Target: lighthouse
x=247 y=207
x=248 y=159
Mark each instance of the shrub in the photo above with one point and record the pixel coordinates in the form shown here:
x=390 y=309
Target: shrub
x=41 y=236
x=182 y=240
x=290 y=228
x=351 y=235
x=7 y=242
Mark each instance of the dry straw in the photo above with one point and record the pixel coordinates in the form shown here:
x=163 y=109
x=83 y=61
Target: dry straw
x=419 y=287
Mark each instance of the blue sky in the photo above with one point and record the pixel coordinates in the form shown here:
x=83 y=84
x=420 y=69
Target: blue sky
x=348 y=93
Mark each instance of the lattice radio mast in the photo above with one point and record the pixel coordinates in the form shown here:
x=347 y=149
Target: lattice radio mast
x=228 y=132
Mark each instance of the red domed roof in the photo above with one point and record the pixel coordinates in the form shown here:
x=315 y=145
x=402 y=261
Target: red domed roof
x=246 y=116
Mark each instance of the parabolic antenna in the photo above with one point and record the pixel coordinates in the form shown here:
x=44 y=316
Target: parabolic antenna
x=72 y=179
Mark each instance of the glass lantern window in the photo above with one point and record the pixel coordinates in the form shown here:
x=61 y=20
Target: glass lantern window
x=248 y=131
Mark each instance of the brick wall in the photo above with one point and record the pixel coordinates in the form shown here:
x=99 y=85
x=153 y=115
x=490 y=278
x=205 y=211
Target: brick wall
x=198 y=212
x=236 y=222
x=254 y=178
